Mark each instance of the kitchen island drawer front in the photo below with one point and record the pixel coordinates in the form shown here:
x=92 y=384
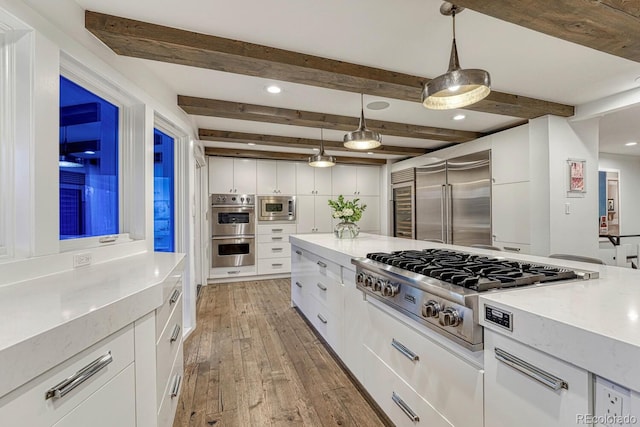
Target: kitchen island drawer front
x=274 y=250
x=94 y=412
x=274 y=266
x=298 y=293
x=439 y=376
x=173 y=280
x=28 y=404
x=325 y=322
x=327 y=291
x=169 y=344
x=524 y=386
x=397 y=399
x=171 y=394
x=164 y=311
x=277 y=229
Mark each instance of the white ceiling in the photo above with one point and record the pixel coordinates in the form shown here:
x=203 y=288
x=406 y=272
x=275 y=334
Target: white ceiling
x=408 y=36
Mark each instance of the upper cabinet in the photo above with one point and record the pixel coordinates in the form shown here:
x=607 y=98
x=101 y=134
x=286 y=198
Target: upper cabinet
x=356 y=180
x=276 y=177
x=227 y=175
x=510 y=155
x=311 y=180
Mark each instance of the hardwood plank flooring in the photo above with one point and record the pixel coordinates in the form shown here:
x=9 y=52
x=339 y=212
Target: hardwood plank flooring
x=254 y=361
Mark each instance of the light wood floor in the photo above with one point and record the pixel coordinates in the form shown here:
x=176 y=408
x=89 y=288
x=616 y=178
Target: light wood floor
x=253 y=361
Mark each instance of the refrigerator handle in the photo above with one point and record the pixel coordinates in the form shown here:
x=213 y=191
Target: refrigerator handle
x=443 y=215
x=450 y=214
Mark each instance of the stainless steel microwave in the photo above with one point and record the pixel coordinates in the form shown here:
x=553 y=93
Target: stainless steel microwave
x=276 y=208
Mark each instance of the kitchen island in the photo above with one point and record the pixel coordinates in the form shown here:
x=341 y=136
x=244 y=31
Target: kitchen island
x=97 y=345
x=583 y=336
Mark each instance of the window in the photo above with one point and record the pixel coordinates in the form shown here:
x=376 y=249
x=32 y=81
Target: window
x=89 y=133
x=163 y=192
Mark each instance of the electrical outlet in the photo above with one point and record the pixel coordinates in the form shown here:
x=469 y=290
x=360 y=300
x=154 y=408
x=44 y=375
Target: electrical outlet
x=612 y=403
x=80 y=260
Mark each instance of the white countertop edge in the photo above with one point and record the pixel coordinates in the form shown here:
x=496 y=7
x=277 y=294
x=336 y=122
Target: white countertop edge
x=25 y=358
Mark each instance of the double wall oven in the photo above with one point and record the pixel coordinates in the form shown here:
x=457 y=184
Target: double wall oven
x=233 y=230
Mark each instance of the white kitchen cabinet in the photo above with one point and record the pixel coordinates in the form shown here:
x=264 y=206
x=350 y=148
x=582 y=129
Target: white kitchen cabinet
x=273 y=254
x=310 y=180
x=511 y=215
x=314 y=214
x=232 y=175
x=355 y=180
x=513 y=396
x=510 y=155
x=276 y=177
x=354 y=324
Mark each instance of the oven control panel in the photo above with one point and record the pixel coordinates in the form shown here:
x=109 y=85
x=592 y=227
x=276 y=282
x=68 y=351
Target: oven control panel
x=499 y=317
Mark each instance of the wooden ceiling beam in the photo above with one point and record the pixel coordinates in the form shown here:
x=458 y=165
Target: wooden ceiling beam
x=611 y=26
x=271 y=155
x=290 y=142
x=156 y=42
x=261 y=113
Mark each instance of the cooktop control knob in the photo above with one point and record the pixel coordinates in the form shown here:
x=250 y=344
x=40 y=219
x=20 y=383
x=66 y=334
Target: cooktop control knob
x=248 y=199
x=242 y=199
x=360 y=278
x=379 y=285
x=450 y=317
x=390 y=289
x=368 y=281
x=431 y=309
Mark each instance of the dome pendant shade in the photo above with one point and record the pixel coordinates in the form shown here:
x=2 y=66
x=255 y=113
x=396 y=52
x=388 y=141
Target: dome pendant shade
x=362 y=138
x=321 y=160
x=457 y=87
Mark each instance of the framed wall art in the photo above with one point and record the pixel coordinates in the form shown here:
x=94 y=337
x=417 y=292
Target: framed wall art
x=577 y=172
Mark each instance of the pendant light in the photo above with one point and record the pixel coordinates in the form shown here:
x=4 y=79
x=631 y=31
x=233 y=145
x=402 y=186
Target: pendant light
x=457 y=87
x=321 y=160
x=362 y=138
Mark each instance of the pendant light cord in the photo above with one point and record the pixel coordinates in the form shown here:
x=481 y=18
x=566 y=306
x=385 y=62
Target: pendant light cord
x=453 y=16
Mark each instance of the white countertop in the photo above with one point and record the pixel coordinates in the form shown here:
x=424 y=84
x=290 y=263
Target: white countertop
x=593 y=324
x=47 y=320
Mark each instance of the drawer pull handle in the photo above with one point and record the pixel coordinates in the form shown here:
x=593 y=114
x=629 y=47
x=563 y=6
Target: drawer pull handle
x=277 y=230
x=531 y=371
x=322 y=264
x=277 y=249
x=298 y=284
x=405 y=408
x=175 y=389
x=298 y=251
x=174 y=297
x=321 y=286
x=175 y=334
x=277 y=238
x=61 y=389
x=322 y=319
x=278 y=265
x=404 y=350
x=511 y=248
x=233 y=272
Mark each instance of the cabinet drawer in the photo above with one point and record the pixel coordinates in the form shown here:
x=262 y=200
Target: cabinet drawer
x=397 y=344
x=276 y=229
x=168 y=345
x=274 y=266
x=163 y=312
x=514 y=397
x=325 y=322
x=274 y=250
x=172 y=281
x=112 y=405
x=321 y=268
x=408 y=408
x=327 y=291
x=298 y=293
x=171 y=394
x=516 y=248
x=27 y=405
x=281 y=238
x=231 y=272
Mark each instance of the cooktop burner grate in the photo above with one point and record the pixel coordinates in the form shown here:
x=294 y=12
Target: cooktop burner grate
x=477 y=272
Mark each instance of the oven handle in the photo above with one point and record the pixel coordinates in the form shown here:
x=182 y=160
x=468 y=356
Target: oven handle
x=234 y=237
x=243 y=208
x=531 y=371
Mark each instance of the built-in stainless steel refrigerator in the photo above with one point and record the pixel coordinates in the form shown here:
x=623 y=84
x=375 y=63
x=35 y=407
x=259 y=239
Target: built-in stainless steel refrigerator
x=403 y=196
x=453 y=200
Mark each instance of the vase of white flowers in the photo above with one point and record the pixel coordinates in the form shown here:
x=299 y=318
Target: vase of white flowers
x=348 y=212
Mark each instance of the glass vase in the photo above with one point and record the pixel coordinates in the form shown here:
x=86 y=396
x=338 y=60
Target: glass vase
x=346 y=230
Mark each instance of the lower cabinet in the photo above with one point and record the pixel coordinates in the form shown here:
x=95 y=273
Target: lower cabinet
x=528 y=388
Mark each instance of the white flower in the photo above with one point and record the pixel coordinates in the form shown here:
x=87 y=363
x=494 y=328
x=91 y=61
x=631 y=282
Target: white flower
x=337 y=214
x=347 y=212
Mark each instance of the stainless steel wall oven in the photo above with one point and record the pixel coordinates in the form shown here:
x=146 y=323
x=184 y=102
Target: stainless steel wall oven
x=233 y=230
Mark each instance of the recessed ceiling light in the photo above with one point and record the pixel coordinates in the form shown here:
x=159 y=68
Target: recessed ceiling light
x=274 y=89
x=378 y=105
x=459 y=117
x=315 y=149
x=89 y=152
x=251 y=143
x=631 y=144
x=369 y=152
